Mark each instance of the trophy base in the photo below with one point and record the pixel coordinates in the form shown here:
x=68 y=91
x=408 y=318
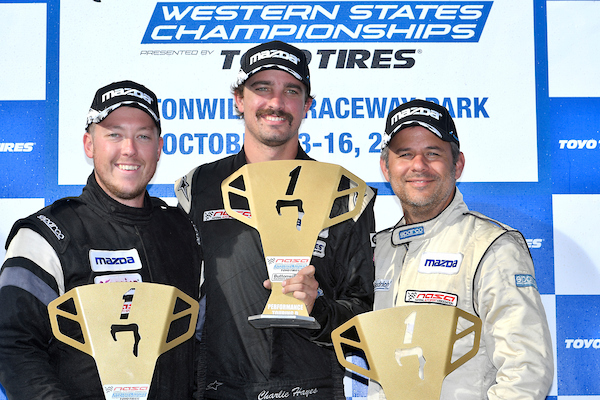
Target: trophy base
x=263 y=321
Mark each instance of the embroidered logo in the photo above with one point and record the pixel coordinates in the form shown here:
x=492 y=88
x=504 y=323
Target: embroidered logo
x=117 y=260
x=411 y=232
x=53 y=227
x=382 y=285
x=216 y=215
x=319 y=250
x=525 y=280
x=183 y=188
x=440 y=263
x=431 y=297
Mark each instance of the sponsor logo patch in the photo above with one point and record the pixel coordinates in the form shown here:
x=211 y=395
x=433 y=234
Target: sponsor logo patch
x=118 y=260
x=440 y=263
x=282 y=268
x=319 y=250
x=118 y=278
x=217 y=215
x=416 y=111
x=214 y=385
x=411 y=232
x=53 y=227
x=431 y=297
x=296 y=392
x=382 y=285
x=127 y=92
x=262 y=55
x=126 y=391
x=525 y=280
x=183 y=187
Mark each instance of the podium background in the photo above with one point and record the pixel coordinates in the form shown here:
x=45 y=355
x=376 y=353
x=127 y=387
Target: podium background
x=520 y=77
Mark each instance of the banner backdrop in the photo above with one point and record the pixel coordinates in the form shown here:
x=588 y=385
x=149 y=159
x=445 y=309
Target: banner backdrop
x=519 y=77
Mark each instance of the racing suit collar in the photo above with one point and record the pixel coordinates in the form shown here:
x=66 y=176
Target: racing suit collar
x=403 y=233
x=99 y=201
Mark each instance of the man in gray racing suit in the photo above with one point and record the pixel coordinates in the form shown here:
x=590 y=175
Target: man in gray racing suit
x=442 y=253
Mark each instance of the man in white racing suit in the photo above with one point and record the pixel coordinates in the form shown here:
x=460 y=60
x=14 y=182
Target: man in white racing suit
x=442 y=253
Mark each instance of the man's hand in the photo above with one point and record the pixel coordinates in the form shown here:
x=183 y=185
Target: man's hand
x=303 y=286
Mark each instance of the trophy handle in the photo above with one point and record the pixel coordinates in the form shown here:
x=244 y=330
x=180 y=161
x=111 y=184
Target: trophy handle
x=55 y=312
x=338 y=340
x=476 y=330
x=358 y=191
x=227 y=190
x=191 y=311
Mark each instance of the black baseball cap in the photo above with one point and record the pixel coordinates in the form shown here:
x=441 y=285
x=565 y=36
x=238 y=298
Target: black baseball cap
x=275 y=55
x=427 y=114
x=123 y=93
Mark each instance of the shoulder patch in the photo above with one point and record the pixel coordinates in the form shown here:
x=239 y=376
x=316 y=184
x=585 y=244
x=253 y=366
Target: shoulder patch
x=52 y=226
x=183 y=191
x=525 y=280
x=44 y=223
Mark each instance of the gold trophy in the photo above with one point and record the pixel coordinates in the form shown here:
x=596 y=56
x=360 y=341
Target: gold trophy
x=125 y=326
x=290 y=202
x=408 y=349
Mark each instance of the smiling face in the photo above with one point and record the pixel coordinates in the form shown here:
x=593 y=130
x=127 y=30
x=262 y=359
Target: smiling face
x=421 y=172
x=125 y=148
x=273 y=104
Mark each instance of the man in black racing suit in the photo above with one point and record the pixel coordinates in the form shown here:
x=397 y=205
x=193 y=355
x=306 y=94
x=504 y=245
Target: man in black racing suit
x=243 y=362
x=113 y=232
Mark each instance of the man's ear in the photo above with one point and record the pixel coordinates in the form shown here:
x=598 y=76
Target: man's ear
x=239 y=101
x=384 y=169
x=307 y=104
x=88 y=144
x=460 y=165
x=160 y=146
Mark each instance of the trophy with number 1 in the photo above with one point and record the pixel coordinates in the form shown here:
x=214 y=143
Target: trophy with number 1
x=290 y=202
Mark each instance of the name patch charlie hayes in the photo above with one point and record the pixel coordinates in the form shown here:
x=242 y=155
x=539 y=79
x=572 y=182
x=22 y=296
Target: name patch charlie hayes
x=284 y=394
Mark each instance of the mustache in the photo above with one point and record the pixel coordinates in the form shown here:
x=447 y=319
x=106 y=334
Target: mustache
x=420 y=176
x=278 y=113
